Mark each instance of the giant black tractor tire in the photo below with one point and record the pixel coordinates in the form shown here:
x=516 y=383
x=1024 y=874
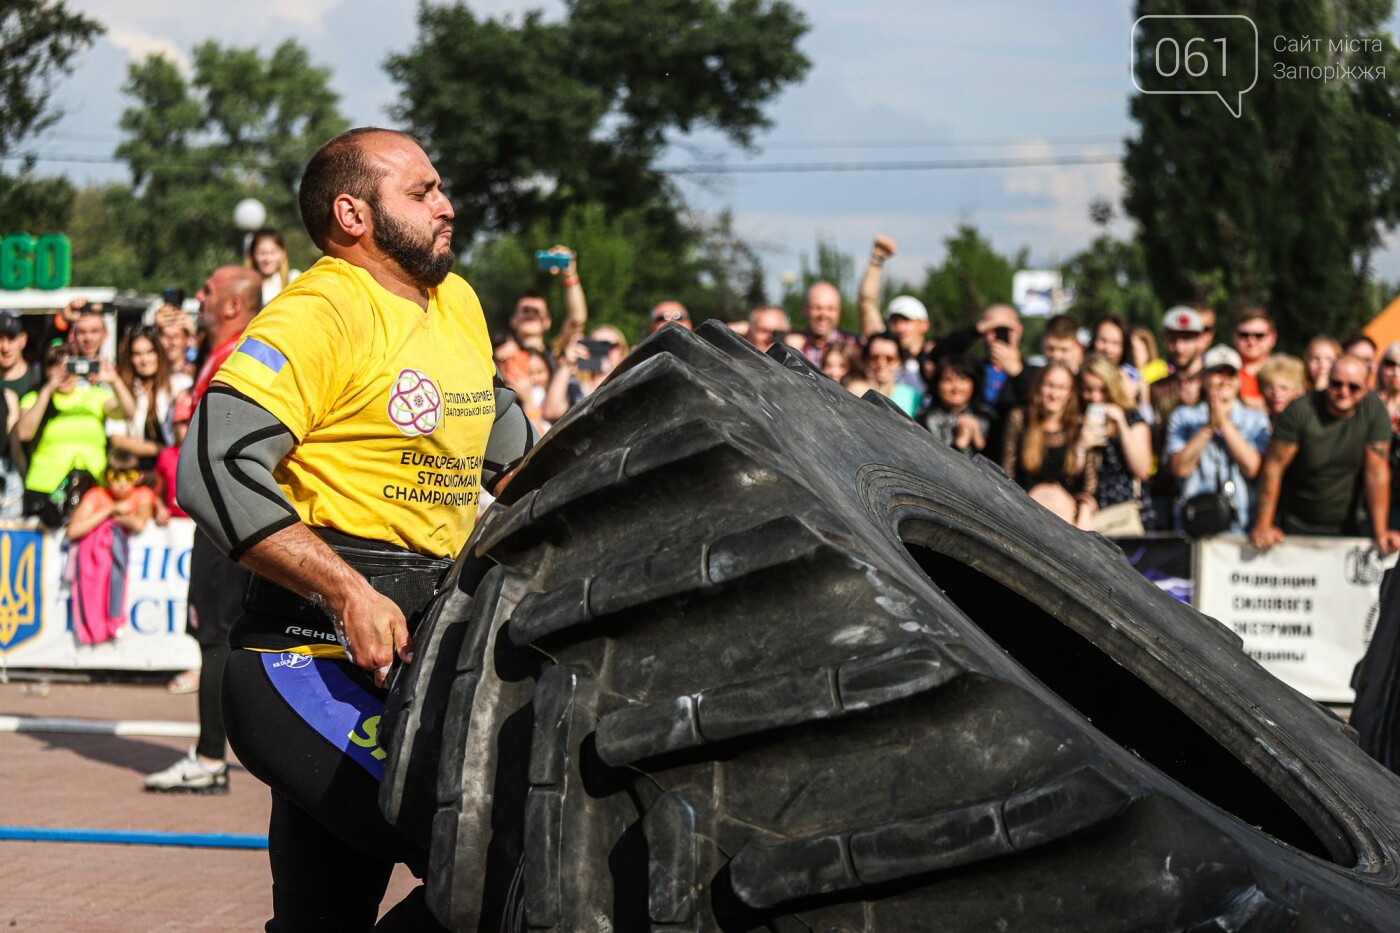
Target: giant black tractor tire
x=739 y=650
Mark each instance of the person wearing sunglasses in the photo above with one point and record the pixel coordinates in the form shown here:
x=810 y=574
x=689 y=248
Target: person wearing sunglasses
x=1334 y=445
x=884 y=361
x=1255 y=336
x=668 y=312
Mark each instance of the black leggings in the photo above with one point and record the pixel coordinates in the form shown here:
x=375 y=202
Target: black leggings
x=217 y=585
x=212 y=741
x=306 y=728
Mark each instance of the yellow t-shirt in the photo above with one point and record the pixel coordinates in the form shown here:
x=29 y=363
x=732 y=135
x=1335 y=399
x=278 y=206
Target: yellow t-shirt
x=391 y=406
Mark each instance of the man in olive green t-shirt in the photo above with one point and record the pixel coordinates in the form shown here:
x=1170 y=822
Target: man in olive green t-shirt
x=1329 y=452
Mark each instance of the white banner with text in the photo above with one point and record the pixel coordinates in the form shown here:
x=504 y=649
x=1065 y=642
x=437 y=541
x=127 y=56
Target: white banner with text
x=1305 y=609
x=36 y=619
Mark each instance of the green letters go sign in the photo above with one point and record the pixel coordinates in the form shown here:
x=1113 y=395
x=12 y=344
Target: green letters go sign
x=26 y=262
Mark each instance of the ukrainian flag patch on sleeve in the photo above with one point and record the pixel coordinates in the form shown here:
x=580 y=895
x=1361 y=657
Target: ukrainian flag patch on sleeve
x=255 y=361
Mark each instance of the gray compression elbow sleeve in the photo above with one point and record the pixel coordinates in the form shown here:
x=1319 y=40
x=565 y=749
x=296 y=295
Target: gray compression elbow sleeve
x=225 y=480
x=512 y=436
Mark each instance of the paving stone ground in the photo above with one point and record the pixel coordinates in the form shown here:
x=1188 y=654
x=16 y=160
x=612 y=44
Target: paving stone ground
x=94 y=782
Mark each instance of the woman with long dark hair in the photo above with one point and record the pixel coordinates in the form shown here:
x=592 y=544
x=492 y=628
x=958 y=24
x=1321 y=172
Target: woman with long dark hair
x=145 y=369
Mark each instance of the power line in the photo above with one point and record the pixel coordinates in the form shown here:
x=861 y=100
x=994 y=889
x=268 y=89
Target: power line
x=729 y=168
x=834 y=142
x=60 y=157
x=794 y=168
x=943 y=143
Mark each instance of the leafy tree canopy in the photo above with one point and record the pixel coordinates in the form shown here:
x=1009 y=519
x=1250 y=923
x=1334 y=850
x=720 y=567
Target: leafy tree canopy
x=972 y=276
x=38 y=41
x=1284 y=205
x=624 y=271
x=243 y=125
x=529 y=119
x=1110 y=277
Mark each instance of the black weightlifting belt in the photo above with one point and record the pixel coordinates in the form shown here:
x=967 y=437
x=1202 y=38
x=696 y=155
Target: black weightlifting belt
x=410 y=580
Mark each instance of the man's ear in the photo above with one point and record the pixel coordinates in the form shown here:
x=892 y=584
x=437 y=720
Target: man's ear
x=350 y=215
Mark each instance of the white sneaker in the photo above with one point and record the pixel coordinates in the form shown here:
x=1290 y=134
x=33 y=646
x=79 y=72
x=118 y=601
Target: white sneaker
x=188 y=776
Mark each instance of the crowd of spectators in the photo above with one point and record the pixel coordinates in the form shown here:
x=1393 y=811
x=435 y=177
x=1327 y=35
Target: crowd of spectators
x=94 y=438
x=1216 y=433
x=1212 y=435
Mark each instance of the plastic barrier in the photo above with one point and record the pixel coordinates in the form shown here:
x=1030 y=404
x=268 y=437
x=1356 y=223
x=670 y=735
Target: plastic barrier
x=36 y=625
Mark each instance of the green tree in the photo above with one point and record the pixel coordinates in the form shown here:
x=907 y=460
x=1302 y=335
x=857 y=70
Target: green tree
x=528 y=120
x=502 y=267
x=102 y=252
x=242 y=126
x=624 y=272
x=972 y=276
x=38 y=41
x=1110 y=277
x=1285 y=204
x=728 y=278
x=34 y=204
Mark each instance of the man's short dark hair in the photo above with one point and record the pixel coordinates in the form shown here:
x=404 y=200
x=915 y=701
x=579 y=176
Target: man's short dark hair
x=1061 y=327
x=1256 y=314
x=1355 y=338
x=339 y=167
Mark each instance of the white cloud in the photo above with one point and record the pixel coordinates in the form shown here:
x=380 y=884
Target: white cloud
x=138 y=45
x=185 y=23
x=1057 y=223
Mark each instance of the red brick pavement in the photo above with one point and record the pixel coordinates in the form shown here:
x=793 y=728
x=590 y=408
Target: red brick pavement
x=94 y=782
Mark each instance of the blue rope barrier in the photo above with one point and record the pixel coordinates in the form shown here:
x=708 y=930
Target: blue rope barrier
x=133 y=837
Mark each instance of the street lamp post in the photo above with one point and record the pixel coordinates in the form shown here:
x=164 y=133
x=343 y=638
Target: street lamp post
x=248 y=216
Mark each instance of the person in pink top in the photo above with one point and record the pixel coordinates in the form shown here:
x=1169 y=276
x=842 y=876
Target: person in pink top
x=100 y=527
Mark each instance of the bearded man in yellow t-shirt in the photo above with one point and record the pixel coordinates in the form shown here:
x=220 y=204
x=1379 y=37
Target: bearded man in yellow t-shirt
x=339 y=455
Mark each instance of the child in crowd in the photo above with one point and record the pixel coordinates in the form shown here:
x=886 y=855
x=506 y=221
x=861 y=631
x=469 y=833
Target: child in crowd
x=100 y=526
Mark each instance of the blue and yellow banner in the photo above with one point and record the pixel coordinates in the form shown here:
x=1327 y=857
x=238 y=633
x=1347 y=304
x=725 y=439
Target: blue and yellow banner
x=21 y=566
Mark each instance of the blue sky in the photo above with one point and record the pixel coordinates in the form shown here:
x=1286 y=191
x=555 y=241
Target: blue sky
x=902 y=81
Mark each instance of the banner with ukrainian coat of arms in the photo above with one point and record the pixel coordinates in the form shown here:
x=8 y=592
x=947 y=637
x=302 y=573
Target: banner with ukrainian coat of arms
x=36 y=625
x=21 y=569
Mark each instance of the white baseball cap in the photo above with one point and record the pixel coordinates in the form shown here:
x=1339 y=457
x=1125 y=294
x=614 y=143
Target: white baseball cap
x=1221 y=356
x=906 y=306
x=1184 y=319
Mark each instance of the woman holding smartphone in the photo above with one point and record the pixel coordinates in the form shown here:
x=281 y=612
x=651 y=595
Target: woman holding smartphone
x=1121 y=443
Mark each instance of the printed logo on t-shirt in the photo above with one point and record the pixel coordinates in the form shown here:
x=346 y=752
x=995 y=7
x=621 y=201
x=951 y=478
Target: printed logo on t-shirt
x=415 y=404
